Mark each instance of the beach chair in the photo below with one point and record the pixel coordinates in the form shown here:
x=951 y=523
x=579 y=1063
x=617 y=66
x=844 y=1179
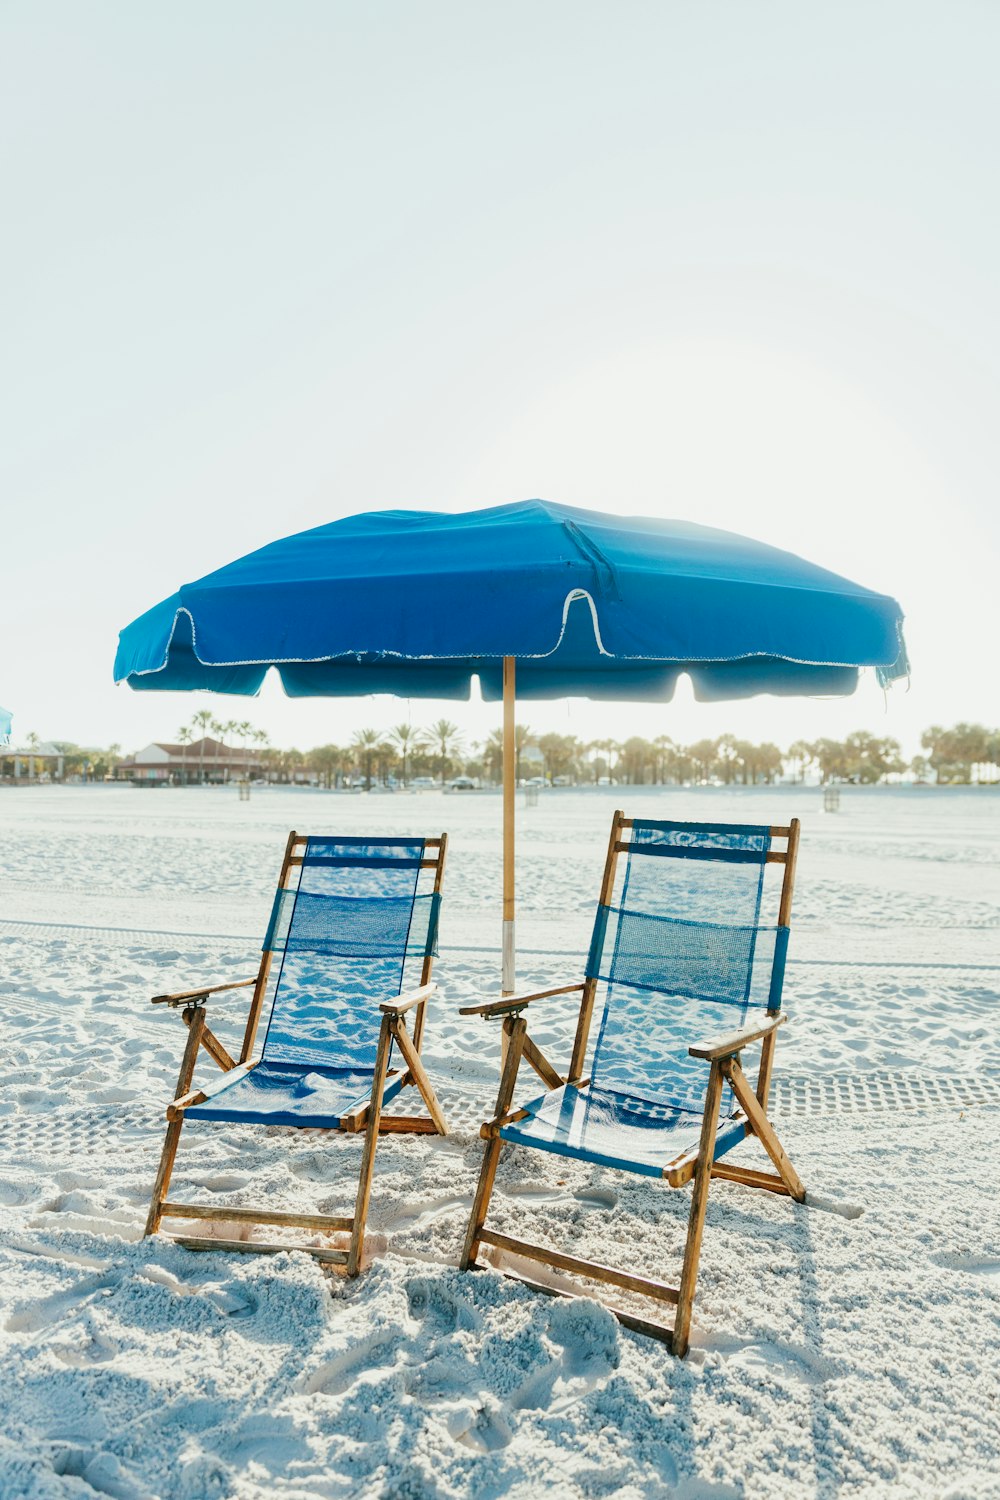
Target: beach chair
x=680 y=950
x=354 y=920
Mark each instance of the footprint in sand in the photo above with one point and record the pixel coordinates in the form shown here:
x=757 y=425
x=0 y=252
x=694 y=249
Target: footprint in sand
x=78 y=1210
x=597 y=1197
x=967 y=1260
x=94 y=1349
x=337 y=1375
x=60 y=1253
x=317 y=1166
x=531 y=1192
x=785 y=1362
x=222 y=1182
x=432 y=1303
x=484 y=1429
x=43 y=1314
x=231 y=1301
x=423 y=1213
x=591 y=1352
x=102 y=1472
x=115 y=1095
x=28 y=1097
x=588 y=1197
x=15 y=1194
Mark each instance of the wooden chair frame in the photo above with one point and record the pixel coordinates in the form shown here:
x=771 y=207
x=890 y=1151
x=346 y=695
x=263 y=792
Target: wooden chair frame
x=367 y=1117
x=723 y=1057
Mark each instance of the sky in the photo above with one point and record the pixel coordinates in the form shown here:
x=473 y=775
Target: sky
x=264 y=266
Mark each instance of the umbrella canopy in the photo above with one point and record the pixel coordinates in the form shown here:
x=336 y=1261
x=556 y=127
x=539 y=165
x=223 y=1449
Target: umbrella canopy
x=415 y=603
x=5 y=723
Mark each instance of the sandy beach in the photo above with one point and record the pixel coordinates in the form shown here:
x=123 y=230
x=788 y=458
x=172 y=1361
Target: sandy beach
x=847 y=1346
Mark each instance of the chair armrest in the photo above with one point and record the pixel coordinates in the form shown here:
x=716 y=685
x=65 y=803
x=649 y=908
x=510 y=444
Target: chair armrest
x=183 y=996
x=508 y=1003
x=406 y=1000
x=728 y=1046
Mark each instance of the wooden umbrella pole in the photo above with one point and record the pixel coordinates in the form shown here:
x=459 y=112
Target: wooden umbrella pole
x=507 y=983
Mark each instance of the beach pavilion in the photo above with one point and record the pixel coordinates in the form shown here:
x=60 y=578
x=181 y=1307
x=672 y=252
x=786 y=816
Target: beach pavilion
x=27 y=762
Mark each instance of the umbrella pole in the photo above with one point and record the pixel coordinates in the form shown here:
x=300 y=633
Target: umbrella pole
x=507 y=965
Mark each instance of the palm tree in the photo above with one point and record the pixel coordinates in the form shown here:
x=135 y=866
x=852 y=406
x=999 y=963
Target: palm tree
x=730 y=756
x=184 y=739
x=492 y=752
x=667 y=754
x=523 y=737
x=595 y=760
x=802 y=755
x=218 y=729
x=446 y=740
x=230 y=727
x=244 y=729
x=386 y=759
x=366 y=741
x=292 y=761
x=704 y=756
x=609 y=748
x=261 y=739
x=561 y=752
x=408 y=740
x=328 y=760
x=201 y=720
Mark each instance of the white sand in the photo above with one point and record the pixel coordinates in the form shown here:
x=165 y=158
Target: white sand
x=846 y=1347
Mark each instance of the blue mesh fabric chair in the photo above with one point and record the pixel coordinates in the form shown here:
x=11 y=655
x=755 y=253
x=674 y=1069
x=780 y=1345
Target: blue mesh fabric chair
x=354 y=922
x=681 y=949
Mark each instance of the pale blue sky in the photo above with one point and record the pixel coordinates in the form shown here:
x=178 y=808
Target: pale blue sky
x=263 y=265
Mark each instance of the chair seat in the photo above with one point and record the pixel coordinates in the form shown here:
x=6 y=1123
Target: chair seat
x=614 y=1130
x=282 y=1094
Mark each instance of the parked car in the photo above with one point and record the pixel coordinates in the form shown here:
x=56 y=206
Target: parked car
x=462 y=784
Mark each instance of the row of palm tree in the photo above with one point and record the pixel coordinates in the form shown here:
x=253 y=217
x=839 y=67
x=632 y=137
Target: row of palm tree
x=373 y=755
x=962 y=753
x=404 y=748
x=204 y=724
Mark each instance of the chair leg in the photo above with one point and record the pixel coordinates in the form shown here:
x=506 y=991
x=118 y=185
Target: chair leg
x=368 y=1151
x=696 y=1219
x=162 y=1182
x=194 y=1015
x=480 y=1203
x=514 y=1031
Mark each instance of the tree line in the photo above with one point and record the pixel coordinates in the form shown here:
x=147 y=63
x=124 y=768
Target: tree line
x=960 y=754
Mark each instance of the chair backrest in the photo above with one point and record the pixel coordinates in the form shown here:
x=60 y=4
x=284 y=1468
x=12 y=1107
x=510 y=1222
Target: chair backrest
x=681 y=950
x=354 y=922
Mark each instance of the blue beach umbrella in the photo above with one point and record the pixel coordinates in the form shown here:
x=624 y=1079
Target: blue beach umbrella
x=6 y=719
x=415 y=603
